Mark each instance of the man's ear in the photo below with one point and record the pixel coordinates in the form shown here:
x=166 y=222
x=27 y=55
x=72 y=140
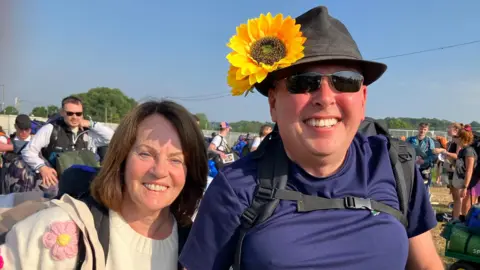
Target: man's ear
x=272 y=103
x=364 y=101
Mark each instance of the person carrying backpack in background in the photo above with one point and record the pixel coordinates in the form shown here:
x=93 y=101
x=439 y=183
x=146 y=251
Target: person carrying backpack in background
x=264 y=131
x=317 y=194
x=16 y=175
x=220 y=146
x=426 y=145
x=241 y=146
x=464 y=183
x=70 y=133
x=12 y=146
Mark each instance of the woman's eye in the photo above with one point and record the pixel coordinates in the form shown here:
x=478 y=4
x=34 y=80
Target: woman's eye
x=144 y=154
x=176 y=161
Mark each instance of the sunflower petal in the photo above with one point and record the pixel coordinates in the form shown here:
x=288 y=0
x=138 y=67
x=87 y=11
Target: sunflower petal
x=242 y=33
x=237 y=60
x=276 y=24
x=263 y=25
x=253 y=30
x=261 y=75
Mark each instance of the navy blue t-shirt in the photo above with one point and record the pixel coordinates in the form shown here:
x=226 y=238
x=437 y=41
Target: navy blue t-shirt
x=324 y=239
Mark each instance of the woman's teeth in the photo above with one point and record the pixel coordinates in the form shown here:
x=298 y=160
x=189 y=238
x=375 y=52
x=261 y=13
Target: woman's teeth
x=154 y=187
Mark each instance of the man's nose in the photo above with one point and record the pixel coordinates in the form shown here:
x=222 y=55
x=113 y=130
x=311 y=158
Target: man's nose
x=324 y=96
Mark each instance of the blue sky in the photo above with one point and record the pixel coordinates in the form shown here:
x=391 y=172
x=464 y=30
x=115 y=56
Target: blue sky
x=178 y=48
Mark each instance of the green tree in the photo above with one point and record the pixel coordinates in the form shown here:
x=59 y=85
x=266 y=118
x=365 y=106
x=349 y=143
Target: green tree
x=39 y=111
x=204 y=124
x=395 y=123
x=475 y=125
x=52 y=109
x=106 y=104
x=11 y=110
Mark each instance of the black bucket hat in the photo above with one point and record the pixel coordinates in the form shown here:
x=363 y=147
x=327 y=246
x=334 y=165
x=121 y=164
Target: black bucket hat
x=328 y=40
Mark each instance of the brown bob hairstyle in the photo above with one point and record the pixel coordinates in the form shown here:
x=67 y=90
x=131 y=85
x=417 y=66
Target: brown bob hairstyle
x=108 y=186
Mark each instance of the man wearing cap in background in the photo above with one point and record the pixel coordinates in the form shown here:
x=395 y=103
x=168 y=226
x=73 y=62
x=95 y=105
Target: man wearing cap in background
x=22 y=135
x=316 y=82
x=219 y=144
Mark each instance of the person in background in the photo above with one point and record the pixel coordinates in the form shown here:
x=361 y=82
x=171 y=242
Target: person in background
x=21 y=136
x=264 y=131
x=219 y=143
x=449 y=155
x=12 y=155
x=441 y=143
x=427 y=146
x=3 y=136
x=73 y=132
x=462 y=179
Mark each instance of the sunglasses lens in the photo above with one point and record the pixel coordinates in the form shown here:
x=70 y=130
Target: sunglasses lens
x=76 y=113
x=347 y=81
x=303 y=83
x=342 y=81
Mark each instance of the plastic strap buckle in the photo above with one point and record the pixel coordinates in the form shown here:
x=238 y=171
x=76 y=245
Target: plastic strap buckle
x=357 y=203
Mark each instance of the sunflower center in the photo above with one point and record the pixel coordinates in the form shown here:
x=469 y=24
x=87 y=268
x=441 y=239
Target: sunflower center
x=268 y=50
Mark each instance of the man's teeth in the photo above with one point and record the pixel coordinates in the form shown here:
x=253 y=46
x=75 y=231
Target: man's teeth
x=155 y=187
x=322 y=122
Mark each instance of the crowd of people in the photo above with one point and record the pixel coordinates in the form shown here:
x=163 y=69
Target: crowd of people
x=318 y=190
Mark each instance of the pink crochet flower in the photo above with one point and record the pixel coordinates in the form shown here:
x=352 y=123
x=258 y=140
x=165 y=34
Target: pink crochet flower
x=62 y=240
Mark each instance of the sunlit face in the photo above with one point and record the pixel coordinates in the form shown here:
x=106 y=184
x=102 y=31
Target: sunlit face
x=72 y=114
x=155 y=170
x=267 y=131
x=422 y=131
x=452 y=131
x=298 y=116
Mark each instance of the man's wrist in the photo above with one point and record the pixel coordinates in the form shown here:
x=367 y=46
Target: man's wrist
x=39 y=168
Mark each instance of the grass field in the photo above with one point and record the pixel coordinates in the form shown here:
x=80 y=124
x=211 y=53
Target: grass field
x=440 y=200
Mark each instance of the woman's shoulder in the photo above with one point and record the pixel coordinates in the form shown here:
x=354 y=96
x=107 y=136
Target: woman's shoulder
x=43 y=218
x=48 y=238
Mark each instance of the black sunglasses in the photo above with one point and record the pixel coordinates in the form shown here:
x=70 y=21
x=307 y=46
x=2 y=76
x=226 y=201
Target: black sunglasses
x=342 y=81
x=76 y=113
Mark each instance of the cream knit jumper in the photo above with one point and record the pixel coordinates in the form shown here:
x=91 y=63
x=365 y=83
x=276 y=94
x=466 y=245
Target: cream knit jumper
x=49 y=240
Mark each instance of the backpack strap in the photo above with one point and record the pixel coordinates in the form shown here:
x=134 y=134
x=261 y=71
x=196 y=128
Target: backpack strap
x=403 y=163
x=272 y=174
x=307 y=203
x=102 y=226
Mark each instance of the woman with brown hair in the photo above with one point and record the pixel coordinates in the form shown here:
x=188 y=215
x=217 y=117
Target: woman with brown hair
x=462 y=180
x=151 y=182
x=448 y=153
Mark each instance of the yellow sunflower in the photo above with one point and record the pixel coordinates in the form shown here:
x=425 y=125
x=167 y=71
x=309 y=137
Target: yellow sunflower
x=263 y=45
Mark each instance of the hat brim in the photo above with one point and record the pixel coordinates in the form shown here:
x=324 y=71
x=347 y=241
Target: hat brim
x=370 y=70
x=23 y=125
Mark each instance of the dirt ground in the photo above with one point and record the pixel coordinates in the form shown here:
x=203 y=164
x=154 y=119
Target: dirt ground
x=440 y=200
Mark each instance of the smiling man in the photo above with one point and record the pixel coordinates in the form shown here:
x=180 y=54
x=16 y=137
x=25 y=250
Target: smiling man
x=317 y=194
x=71 y=132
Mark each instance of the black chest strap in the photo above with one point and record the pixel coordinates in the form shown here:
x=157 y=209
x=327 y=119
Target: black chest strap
x=307 y=203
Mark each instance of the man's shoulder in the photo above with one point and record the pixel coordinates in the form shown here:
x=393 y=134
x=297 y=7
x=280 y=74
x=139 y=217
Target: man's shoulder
x=373 y=143
x=245 y=166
